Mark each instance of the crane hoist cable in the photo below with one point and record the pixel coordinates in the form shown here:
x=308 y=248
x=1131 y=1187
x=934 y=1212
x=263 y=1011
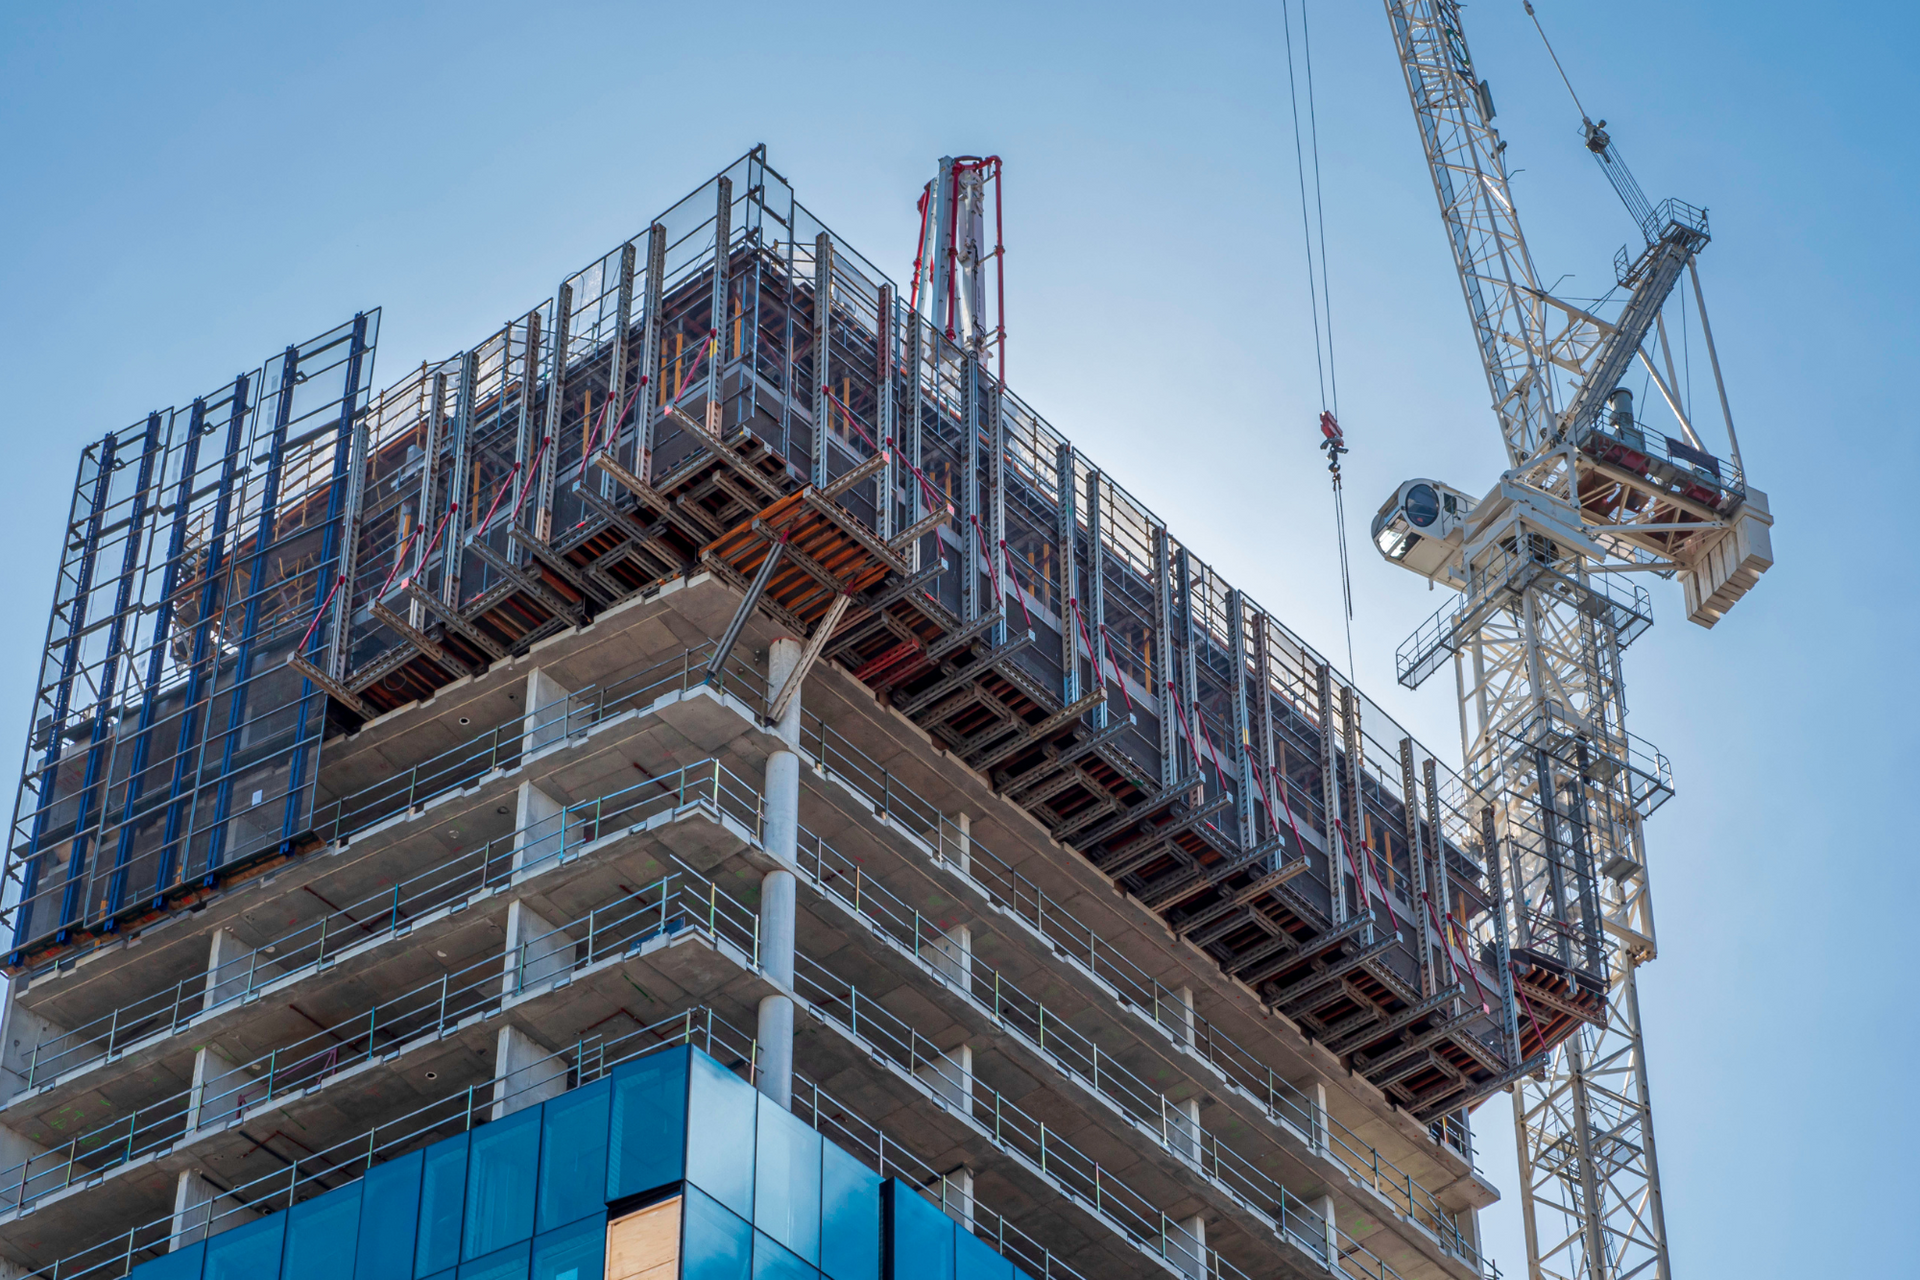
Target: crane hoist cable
x=1319 y=293
x=1600 y=144
x=1556 y=59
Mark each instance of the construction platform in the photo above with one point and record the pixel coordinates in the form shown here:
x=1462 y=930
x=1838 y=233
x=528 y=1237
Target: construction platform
x=1120 y=909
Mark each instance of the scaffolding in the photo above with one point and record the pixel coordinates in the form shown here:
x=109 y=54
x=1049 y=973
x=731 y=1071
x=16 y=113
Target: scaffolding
x=737 y=392
x=170 y=740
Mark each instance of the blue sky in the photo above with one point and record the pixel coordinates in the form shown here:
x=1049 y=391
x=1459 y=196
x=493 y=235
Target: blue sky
x=188 y=187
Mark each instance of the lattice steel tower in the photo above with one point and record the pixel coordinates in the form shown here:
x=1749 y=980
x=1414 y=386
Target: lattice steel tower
x=1547 y=564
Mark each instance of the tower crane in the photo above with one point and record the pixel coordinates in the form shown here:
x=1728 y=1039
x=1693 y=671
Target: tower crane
x=1549 y=565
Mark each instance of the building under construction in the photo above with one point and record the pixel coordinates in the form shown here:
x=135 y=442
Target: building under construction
x=414 y=769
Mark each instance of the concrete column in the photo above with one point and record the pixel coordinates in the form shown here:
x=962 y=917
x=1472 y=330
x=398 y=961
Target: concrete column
x=219 y=1089
x=1322 y=1130
x=233 y=969
x=1186 y=1245
x=780 y=834
x=21 y=1034
x=956 y=1195
x=950 y=1077
x=1177 y=1016
x=777 y=903
x=535 y=951
x=1325 y=1209
x=783 y=655
x=951 y=954
x=774 y=1028
x=198 y=1203
x=525 y=1072
x=537 y=827
x=1183 y=1128
x=16 y=1149
x=547 y=715
x=963 y=844
x=1468 y=1220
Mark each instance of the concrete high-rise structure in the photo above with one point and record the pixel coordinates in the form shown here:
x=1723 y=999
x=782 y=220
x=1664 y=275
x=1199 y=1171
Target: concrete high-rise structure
x=719 y=657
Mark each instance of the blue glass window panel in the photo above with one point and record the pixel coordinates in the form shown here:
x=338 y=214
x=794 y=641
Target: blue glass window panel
x=772 y=1262
x=721 y=1111
x=786 y=1180
x=503 y=1162
x=849 y=1216
x=919 y=1236
x=509 y=1263
x=647 y=1145
x=717 y=1244
x=321 y=1235
x=246 y=1253
x=389 y=1211
x=974 y=1259
x=443 y=1189
x=181 y=1264
x=576 y=1252
x=573 y=1155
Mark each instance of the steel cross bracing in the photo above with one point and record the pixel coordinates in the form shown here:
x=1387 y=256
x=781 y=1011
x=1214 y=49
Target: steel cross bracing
x=1536 y=644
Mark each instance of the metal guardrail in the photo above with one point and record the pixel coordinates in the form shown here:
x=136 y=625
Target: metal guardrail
x=466 y=1108
x=677 y=902
x=476 y=991
x=498 y=748
x=1045 y=1151
x=503 y=746
x=1080 y=945
x=1048 y=1035
x=707 y=784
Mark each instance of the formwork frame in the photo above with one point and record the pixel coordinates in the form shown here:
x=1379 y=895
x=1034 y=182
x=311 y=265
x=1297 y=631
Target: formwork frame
x=170 y=737
x=736 y=384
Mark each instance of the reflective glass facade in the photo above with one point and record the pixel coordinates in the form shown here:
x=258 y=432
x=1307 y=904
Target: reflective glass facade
x=757 y=1195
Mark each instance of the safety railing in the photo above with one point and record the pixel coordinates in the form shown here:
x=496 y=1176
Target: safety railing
x=1080 y=945
x=504 y=745
x=880 y=1030
x=677 y=903
x=707 y=786
x=1080 y=1058
x=500 y=747
x=587 y=1060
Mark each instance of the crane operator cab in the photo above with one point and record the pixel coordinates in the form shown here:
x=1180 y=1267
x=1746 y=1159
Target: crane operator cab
x=1421 y=527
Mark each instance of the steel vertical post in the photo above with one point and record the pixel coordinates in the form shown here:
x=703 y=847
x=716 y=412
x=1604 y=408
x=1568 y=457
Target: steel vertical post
x=822 y=360
x=263 y=539
x=1067 y=487
x=157 y=654
x=1417 y=867
x=886 y=384
x=647 y=395
x=1093 y=605
x=1242 y=718
x=717 y=318
x=460 y=443
x=1330 y=793
x=213 y=572
x=558 y=361
x=336 y=547
x=1163 y=657
x=99 y=746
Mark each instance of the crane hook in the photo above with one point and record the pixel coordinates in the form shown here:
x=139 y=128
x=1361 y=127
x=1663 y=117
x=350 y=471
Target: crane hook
x=1334 y=442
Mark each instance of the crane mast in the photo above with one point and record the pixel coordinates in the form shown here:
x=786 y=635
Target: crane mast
x=1547 y=565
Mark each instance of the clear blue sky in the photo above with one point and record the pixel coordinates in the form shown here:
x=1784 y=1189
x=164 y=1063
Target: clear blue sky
x=187 y=187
